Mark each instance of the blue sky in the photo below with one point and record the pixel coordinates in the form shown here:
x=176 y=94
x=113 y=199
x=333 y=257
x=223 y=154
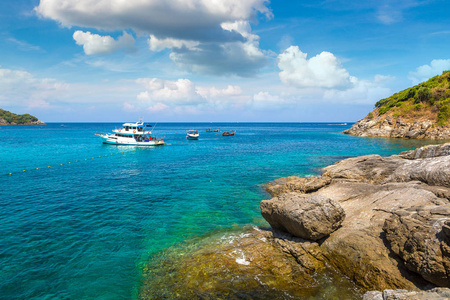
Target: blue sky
x=215 y=60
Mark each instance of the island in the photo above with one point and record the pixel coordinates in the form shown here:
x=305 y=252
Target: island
x=419 y=112
x=9 y=118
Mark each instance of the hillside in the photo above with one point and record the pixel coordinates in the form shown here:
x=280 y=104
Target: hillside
x=422 y=111
x=9 y=118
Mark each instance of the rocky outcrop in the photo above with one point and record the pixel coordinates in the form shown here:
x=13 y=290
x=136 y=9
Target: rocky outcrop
x=421 y=237
x=388 y=126
x=371 y=190
x=433 y=294
x=308 y=217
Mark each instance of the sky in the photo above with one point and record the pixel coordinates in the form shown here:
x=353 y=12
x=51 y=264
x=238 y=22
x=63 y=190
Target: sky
x=215 y=60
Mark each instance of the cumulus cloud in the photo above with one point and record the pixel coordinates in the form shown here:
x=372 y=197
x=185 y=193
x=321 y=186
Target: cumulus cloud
x=156 y=44
x=21 y=88
x=362 y=91
x=322 y=70
x=182 y=91
x=97 y=44
x=425 y=72
x=213 y=92
x=178 y=19
x=266 y=100
x=238 y=57
x=207 y=36
x=165 y=95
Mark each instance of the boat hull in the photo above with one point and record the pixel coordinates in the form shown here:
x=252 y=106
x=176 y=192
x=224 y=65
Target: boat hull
x=122 y=142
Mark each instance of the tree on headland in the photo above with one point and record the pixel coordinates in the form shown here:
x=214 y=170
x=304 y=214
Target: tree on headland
x=9 y=118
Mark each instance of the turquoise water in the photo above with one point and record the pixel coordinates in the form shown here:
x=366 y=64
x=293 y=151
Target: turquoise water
x=84 y=218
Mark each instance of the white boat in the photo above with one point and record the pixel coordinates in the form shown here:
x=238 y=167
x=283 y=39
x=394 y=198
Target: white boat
x=133 y=134
x=192 y=135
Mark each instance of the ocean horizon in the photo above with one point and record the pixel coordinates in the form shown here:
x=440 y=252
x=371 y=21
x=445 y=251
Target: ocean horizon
x=83 y=220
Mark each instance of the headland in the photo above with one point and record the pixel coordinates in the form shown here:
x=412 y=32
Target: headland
x=9 y=118
x=419 y=112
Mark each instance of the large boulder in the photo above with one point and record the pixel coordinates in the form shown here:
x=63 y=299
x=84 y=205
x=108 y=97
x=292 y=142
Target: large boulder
x=421 y=237
x=296 y=184
x=427 y=151
x=358 y=249
x=369 y=189
x=305 y=216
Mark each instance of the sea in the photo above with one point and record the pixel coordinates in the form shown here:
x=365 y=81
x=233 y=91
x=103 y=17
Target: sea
x=81 y=220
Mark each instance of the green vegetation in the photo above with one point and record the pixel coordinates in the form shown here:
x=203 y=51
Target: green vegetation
x=432 y=95
x=10 y=118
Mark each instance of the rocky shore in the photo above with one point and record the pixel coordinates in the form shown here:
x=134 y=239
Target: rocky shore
x=369 y=228
x=384 y=222
x=388 y=126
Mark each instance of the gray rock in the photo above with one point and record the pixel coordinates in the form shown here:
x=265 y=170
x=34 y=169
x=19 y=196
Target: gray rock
x=427 y=151
x=369 y=189
x=420 y=236
x=433 y=294
x=308 y=217
x=386 y=126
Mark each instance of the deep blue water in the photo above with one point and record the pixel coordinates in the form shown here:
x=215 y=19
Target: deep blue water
x=84 y=218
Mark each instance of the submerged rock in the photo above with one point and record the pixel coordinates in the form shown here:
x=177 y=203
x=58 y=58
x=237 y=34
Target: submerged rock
x=308 y=217
x=433 y=294
x=247 y=265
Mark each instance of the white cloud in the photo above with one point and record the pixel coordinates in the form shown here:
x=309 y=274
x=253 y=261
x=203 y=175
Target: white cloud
x=21 y=88
x=237 y=57
x=213 y=92
x=160 y=17
x=97 y=44
x=322 y=70
x=425 y=72
x=266 y=100
x=362 y=92
x=156 y=44
x=180 y=92
x=159 y=107
x=164 y=95
x=206 y=36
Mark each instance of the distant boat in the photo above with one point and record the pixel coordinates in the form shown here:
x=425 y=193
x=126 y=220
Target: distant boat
x=192 y=135
x=212 y=130
x=62 y=125
x=229 y=133
x=132 y=134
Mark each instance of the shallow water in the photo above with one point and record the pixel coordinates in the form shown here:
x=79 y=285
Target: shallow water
x=84 y=218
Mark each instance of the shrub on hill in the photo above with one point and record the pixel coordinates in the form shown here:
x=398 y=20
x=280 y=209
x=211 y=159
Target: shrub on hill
x=10 y=117
x=433 y=95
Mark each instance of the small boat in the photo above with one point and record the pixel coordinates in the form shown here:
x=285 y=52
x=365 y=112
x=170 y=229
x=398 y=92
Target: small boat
x=212 y=130
x=192 y=135
x=62 y=125
x=229 y=133
x=132 y=134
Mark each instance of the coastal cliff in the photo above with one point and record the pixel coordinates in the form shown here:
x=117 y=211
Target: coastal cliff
x=419 y=112
x=9 y=118
x=388 y=219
